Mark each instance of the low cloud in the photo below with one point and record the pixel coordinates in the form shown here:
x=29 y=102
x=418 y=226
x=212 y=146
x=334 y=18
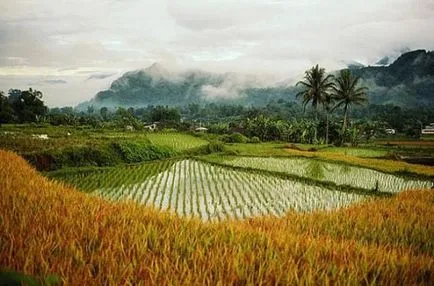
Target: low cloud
x=220 y=92
x=49 y=82
x=100 y=76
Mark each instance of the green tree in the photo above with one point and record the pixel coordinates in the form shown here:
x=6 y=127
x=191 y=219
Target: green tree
x=6 y=111
x=90 y=109
x=125 y=118
x=104 y=113
x=347 y=92
x=165 y=114
x=27 y=104
x=315 y=89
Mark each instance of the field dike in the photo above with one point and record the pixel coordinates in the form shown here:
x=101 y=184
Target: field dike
x=47 y=229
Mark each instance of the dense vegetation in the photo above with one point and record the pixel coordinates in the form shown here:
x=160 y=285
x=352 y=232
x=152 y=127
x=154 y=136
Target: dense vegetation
x=65 y=147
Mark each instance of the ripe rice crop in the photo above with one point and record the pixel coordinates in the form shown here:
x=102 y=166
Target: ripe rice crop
x=47 y=228
x=337 y=173
x=193 y=188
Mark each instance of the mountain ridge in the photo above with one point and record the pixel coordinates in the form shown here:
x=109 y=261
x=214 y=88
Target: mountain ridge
x=408 y=81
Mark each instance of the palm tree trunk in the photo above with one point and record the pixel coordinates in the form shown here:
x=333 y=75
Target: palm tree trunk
x=315 y=136
x=327 y=127
x=344 y=126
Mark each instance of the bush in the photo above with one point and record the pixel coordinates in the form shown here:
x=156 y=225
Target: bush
x=238 y=138
x=134 y=152
x=234 y=138
x=87 y=156
x=74 y=157
x=255 y=140
x=225 y=138
x=215 y=146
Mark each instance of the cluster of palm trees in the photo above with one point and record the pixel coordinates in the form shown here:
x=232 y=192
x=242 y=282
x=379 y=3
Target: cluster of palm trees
x=331 y=92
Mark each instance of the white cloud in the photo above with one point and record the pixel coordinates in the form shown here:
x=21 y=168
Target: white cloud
x=282 y=38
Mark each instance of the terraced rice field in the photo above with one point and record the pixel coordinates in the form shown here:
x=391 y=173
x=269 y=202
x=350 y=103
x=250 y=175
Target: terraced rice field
x=176 y=141
x=336 y=173
x=193 y=188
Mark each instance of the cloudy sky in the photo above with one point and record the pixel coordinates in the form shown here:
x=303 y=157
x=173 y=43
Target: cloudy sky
x=70 y=49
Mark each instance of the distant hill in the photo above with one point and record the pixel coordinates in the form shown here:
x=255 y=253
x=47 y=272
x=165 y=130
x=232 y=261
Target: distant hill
x=157 y=86
x=408 y=81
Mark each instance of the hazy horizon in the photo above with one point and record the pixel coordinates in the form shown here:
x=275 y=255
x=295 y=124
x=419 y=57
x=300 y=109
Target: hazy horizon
x=71 y=50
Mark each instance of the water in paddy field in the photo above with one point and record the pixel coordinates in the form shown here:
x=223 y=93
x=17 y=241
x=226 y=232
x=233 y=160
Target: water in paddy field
x=194 y=188
x=339 y=174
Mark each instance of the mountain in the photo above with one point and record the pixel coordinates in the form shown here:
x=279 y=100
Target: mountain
x=408 y=81
x=354 y=65
x=385 y=61
x=157 y=86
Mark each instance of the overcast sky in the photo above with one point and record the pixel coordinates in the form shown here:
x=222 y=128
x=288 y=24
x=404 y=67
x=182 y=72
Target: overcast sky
x=70 y=49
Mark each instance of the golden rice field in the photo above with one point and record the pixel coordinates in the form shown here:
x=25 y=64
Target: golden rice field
x=49 y=229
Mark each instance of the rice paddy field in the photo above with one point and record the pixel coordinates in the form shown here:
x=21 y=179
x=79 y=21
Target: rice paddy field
x=176 y=141
x=53 y=233
x=340 y=174
x=266 y=214
x=199 y=189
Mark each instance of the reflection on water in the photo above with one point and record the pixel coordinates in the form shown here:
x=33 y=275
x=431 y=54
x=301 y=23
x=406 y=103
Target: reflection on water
x=339 y=174
x=315 y=169
x=345 y=169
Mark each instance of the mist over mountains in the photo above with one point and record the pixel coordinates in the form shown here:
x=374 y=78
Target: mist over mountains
x=407 y=82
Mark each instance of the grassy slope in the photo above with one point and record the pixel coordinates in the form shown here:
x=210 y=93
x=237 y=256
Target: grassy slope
x=47 y=228
x=94 y=147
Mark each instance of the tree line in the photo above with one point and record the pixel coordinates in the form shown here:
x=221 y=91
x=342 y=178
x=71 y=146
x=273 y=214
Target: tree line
x=332 y=101
x=21 y=106
x=331 y=93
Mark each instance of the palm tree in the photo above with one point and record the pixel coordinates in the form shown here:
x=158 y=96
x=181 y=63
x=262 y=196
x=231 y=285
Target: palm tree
x=316 y=86
x=346 y=92
x=327 y=105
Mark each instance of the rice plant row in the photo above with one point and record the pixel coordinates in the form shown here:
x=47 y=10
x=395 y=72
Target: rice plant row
x=192 y=188
x=337 y=173
x=176 y=141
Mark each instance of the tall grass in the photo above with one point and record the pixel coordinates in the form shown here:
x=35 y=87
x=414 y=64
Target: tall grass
x=46 y=228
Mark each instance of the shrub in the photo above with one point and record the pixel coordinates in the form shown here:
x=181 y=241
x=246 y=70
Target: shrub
x=73 y=157
x=238 y=138
x=255 y=139
x=134 y=152
x=215 y=146
x=225 y=138
x=234 y=138
x=86 y=156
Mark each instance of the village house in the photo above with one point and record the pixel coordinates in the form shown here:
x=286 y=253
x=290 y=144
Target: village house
x=428 y=130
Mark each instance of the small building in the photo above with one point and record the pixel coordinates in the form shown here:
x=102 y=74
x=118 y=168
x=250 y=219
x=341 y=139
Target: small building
x=151 y=127
x=428 y=130
x=129 y=128
x=201 y=129
x=40 y=136
x=390 y=131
